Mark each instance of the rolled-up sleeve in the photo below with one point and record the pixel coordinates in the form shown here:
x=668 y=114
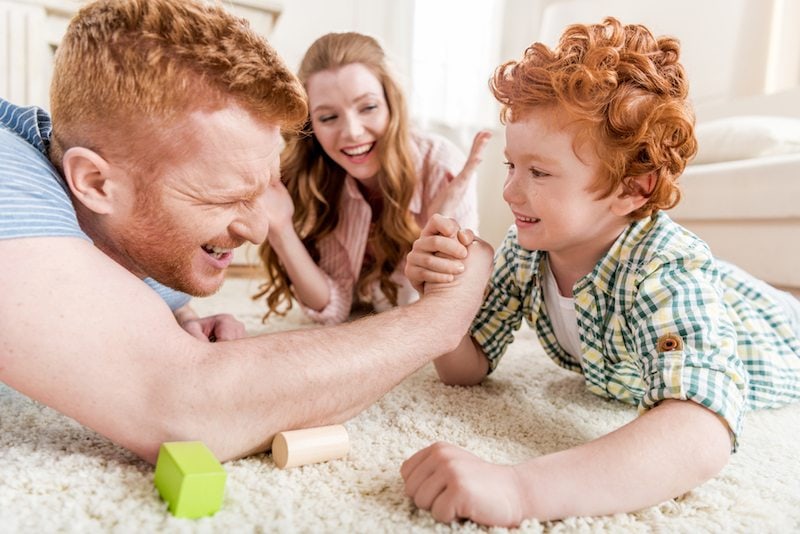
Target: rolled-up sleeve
x=501 y=312
x=687 y=342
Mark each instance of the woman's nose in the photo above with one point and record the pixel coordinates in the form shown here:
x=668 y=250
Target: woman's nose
x=354 y=127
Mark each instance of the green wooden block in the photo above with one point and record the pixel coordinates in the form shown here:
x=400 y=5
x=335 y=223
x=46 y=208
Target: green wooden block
x=189 y=478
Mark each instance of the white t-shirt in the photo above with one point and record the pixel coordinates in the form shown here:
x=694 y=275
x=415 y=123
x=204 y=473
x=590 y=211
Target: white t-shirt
x=561 y=311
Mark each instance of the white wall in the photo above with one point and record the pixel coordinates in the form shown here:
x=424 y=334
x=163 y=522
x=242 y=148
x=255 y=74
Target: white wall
x=303 y=21
x=731 y=49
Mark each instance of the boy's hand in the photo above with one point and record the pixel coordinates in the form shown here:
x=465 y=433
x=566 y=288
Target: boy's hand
x=435 y=256
x=449 y=197
x=455 y=484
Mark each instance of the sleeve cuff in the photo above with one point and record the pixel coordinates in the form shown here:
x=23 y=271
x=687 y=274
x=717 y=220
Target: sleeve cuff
x=717 y=389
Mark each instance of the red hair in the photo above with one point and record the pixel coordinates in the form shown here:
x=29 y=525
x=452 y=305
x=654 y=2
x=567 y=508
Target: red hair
x=627 y=92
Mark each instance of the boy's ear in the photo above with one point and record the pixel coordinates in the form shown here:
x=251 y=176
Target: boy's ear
x=88 y=176
x=633 y=193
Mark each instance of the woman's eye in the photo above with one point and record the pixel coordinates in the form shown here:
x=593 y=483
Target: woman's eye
x=326 y=118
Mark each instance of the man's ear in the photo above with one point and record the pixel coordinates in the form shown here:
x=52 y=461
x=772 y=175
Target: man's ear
x=88 y=176
x=633 y=193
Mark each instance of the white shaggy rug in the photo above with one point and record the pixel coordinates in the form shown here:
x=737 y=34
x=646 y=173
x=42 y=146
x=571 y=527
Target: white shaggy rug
x=58 y=476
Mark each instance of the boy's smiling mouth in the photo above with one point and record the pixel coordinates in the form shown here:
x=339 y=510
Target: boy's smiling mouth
x=525 y=219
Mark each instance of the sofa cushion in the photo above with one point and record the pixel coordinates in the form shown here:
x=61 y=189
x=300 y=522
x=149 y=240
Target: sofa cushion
x=746 y=137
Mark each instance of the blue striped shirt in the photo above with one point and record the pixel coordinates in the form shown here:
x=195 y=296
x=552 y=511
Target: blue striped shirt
x=34 y=200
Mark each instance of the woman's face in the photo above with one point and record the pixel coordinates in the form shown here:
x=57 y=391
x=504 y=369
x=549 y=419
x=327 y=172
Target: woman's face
x=349 y=115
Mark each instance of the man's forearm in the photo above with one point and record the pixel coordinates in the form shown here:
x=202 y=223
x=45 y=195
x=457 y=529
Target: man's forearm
x=669 y=450
x=241 y=393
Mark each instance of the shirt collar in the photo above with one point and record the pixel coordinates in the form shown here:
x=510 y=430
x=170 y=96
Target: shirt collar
x=602 y=276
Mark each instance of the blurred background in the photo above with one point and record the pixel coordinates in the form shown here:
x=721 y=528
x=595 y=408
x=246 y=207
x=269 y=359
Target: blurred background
x=742 y=57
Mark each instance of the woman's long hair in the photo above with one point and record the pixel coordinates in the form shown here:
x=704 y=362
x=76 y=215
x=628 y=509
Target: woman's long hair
x=315 y=182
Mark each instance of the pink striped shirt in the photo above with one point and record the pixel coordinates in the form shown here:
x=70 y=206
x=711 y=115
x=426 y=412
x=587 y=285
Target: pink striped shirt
x=342 y=251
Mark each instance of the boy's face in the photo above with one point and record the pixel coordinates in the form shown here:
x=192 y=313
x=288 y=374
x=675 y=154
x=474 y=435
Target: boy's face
x=547 y=189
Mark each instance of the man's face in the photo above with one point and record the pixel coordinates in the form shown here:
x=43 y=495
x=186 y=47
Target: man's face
x=209 y=198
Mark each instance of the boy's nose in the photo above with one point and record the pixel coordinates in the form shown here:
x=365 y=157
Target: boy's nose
x=511 y=190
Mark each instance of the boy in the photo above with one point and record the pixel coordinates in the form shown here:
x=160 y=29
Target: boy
x=597 y=132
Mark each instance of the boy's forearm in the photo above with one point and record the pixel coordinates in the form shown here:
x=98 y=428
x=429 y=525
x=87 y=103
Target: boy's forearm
x=666 y=452
x=465 y=366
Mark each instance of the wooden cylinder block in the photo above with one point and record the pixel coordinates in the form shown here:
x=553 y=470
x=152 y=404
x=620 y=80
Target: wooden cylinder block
x=310 y=445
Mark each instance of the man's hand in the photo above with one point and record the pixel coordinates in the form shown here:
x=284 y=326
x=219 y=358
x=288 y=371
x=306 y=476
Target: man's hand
x=455 y=484
x=449 y=196
x=436 y=255
x=222 y=327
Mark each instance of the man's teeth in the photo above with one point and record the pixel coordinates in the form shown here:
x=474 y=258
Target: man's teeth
x=363 y=149
x=217 y=252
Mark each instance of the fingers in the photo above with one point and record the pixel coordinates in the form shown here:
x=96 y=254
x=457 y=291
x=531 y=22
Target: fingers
x=435 y=259
x=223 y=327
x=227 y=328
x=440 y=225
x=475 y=154
x=428 y=485
x=195 y=329
x=410 y=470
x=466 y=237
x=479 y=143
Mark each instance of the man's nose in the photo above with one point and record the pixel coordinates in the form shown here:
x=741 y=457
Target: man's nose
x=253 y=225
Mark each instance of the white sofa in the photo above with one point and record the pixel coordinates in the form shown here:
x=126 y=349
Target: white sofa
x=742 y=192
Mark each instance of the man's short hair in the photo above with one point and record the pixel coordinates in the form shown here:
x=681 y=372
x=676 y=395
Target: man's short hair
x=126 y=69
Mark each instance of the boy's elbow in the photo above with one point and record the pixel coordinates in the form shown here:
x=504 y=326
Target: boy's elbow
x=713 y=451
x=459 y=377
x=714 y=458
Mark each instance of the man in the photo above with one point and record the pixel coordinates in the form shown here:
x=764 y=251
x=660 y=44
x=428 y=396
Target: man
x=166 y=122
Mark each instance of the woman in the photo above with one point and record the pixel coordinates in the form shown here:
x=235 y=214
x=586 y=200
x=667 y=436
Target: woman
x=359 y=185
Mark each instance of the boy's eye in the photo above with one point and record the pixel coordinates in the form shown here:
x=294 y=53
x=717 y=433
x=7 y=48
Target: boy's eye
x=536 y=173
x=509 y=165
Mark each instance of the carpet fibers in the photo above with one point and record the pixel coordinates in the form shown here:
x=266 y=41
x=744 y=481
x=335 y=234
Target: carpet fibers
x=56 y=475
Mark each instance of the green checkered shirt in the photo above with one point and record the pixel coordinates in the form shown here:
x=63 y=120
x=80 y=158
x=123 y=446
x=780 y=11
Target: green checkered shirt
x=740 y=348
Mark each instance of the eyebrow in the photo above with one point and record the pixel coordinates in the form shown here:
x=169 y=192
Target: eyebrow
x=539 y=158
x=326 y=107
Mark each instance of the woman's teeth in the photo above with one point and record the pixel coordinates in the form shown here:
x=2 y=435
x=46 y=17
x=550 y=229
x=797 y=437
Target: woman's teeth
x=528 y=219
x=363 y=149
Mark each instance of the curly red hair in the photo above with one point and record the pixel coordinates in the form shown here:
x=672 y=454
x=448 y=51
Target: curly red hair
x=626 y=91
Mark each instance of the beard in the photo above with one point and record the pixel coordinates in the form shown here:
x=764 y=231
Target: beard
x=163 y=249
